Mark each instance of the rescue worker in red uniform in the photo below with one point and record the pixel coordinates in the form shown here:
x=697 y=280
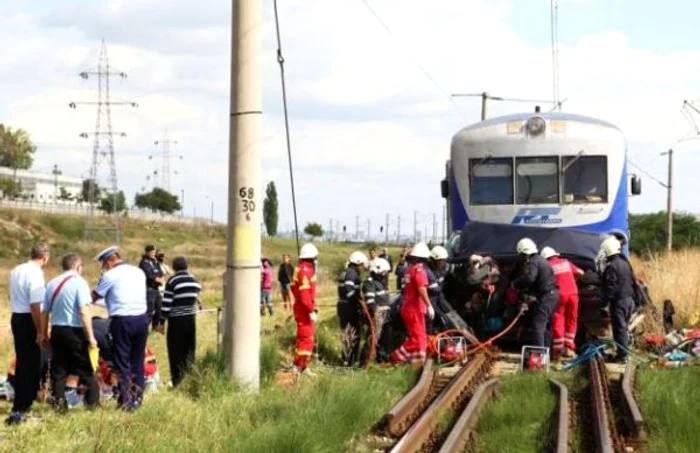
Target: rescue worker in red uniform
x=565 y=319
x=304 y=291
x=416 y=303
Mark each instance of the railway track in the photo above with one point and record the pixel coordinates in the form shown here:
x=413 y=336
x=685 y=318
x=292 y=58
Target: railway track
x=419 y=420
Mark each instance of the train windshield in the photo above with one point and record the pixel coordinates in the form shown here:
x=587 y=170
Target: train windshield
x=585 y=179
x=491 y=181
x=537 y=180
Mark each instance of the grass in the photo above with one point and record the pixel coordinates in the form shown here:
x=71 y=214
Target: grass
x=520 y=418
x=669 y=400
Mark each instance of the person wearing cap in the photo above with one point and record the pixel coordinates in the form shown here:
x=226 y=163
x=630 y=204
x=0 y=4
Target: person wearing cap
x=123 y=288
x=154 y=281
x=304 y=291
x=67 y=304
x=26 y=295
x=416 y=304
x=565 y=320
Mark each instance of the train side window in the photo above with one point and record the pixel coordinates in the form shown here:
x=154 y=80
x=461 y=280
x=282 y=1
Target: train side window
x=537 y=180
x=585 y=179
x=491 y=181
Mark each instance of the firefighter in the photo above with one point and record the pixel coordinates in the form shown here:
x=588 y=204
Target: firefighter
x=416 y=303
x=349 y=310
x=376 y=297
x=436 y=277
x=566 y=317
x=304 y=291
x=538 y=281
x=618 y=291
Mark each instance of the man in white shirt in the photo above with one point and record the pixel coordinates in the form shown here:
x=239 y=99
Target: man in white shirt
x=26 y=295
x=123 y=288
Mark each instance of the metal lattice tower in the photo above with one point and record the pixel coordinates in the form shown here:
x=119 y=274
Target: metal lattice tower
x=103 y=144
x=165 y=164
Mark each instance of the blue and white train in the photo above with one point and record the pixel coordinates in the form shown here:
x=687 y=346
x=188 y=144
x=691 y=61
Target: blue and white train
x=543 y=169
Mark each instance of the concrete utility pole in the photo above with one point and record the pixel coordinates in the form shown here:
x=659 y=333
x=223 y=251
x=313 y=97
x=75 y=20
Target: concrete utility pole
x=415 y=226
x=386 y=230
x=211 y=215
x=357 y=227
x=669 y=202
x=369 y=229
x=398 y=229
x=434 y=228
x=182 y=205
x=55 y=172
x=242 y=289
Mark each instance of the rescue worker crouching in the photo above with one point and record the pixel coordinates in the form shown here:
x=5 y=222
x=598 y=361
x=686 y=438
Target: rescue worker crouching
x=349 y=310
x=538 y=281
x=304 y=291
x=436 y=277
x=416 y=303
x=376 y=297
x=618 y=291
x=565 y=320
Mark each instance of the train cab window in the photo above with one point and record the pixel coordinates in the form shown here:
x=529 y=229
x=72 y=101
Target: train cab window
x=491 y=181
x=537 y=180
x=585 y=179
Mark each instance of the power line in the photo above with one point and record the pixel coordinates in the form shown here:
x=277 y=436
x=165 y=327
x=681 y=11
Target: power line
x=415 y=61
x=647 y=174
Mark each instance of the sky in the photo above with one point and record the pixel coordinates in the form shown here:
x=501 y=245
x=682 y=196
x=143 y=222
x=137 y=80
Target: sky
x=369 y=96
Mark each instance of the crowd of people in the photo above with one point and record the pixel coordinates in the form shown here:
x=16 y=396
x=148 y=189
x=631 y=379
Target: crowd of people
x=54 y=322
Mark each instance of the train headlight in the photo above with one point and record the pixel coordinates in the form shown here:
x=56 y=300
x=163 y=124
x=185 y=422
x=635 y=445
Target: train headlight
x=535 y=125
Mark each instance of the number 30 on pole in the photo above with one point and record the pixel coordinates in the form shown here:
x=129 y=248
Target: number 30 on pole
x=246 y=195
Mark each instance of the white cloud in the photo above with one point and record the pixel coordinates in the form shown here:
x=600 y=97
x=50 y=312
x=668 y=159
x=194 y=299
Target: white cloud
x=370 y=131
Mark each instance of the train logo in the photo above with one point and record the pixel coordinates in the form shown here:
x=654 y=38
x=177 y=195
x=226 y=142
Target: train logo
x=537 y=216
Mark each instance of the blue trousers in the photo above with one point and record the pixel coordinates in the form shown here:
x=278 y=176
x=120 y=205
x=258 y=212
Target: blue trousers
x=129 y=334
x=621 y=311
x=542 y=318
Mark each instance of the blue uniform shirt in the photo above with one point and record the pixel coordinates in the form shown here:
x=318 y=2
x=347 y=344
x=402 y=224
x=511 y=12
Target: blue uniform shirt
x=66 y=305
x=124 y=290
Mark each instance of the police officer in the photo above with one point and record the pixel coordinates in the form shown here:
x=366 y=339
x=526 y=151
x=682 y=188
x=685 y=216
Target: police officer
x=376 y=296
x=618 y=291
x=123 y=288
x=154 y=280
x=349 y=295
x=436 y=277
x=539 y=282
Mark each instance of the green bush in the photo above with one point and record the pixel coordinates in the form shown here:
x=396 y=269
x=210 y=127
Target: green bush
x=648 y=232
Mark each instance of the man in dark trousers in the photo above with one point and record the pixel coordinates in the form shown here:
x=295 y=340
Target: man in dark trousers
x=67 y=304
x=538 y=281
x=123 y=288
x=349 y=296
x=284 y=277
x=26 y=295
x=618 y=291
x=154 y=280
x=180 y=305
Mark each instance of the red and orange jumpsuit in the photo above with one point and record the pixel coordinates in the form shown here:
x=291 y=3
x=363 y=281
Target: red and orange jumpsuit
x=413 y=312
x=304 y=291
x=565 y=319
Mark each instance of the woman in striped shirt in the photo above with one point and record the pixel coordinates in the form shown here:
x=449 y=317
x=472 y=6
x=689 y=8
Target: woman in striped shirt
x=180 y=305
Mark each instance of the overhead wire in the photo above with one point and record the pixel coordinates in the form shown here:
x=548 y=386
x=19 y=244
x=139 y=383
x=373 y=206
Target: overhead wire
x=415 y=60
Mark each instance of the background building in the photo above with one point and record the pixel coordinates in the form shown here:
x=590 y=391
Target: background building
x=44 y=187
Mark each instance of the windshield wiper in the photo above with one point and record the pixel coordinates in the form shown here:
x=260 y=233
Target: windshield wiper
x=567 y=166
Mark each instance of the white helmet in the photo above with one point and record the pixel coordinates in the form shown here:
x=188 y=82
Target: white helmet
x=380 y=265
x=526 y=246
x=358 y=258
x=611 y=246
x=308 y=252
x=600 y=261
x=439 y=253
x=420 y=250
x=548 y=252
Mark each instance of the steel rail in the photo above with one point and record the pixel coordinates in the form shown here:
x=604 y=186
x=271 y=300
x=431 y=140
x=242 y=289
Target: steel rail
x=463 y=431
x=420 y=432
x=601 y=425
x=562 y=440
x=398 y=416
x=634 y=418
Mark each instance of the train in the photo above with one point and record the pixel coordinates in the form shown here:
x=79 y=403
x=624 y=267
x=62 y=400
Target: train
x=559 y=178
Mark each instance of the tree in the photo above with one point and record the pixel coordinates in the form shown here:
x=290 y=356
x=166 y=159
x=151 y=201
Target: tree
x=107 y=202
x=648 y=232
x=270 y=209
x=85 y=192
x=16 y=148
x=158 y=200
x=9 y=188
x=313 y=229
x=64 y=194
